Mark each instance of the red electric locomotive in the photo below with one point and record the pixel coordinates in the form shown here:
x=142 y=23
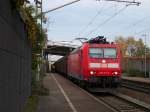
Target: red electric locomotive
x=96 y=63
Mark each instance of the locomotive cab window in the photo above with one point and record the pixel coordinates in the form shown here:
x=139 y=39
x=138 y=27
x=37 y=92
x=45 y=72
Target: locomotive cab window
x=96 y=52
x=110 y=53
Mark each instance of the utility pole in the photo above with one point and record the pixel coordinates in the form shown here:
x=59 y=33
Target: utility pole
x=42 y=24
x=144 y=35
x=38 y=4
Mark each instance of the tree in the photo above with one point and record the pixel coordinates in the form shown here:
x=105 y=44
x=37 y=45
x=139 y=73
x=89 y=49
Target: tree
x=131 y=46
x=36 y=37
x=122 y=43
x=140 y=46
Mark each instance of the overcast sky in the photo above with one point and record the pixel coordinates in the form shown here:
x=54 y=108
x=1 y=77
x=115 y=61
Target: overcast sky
x=90 y=18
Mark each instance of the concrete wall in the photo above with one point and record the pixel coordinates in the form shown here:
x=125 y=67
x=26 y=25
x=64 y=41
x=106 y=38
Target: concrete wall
x=15 y=60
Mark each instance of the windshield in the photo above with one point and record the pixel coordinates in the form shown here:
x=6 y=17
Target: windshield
x=96 y=52
x=110 y=53
x=103 y=52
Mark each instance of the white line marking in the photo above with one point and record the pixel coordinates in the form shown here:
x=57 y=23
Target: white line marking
x=96 y=98
x=65 y=95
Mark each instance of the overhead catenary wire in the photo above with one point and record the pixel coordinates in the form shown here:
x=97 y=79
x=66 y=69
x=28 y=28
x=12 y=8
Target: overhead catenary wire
x=137 y=22
x=107 y=20
x=72 y=2
x=134 y=24
x=136 y=33
x=100 y=12
x=93 y=19
x=128 y=2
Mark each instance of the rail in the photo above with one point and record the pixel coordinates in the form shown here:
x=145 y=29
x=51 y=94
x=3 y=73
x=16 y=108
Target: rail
x=138 y=86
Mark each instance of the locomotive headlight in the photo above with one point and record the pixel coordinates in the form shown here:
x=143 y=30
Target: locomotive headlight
x=115 y=73
x=92 y=72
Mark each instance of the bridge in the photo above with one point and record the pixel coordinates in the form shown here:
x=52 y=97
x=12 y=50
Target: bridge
x=60 y=48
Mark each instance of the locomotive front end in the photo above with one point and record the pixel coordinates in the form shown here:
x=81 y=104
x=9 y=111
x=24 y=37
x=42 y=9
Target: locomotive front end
x=104 y=66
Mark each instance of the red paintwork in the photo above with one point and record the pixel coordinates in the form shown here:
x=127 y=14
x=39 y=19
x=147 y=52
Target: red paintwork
x=78 y=62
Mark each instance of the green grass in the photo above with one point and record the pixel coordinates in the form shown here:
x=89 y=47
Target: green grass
x=32 y=103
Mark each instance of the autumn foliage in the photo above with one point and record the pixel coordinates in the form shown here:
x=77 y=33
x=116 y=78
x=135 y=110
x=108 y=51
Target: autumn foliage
x=132 y=47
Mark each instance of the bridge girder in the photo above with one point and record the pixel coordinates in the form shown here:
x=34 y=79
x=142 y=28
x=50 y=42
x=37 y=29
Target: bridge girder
x=58 y=50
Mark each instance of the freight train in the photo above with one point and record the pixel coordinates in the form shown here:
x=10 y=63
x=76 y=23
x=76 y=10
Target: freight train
x=97 y=63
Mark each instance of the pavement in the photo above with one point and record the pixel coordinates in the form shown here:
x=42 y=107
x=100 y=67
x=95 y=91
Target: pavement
x=67 y=97
x=138 y=79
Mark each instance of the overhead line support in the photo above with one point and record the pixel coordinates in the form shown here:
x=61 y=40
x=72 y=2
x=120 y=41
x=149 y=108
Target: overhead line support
x=61 y=6
x=130 y=2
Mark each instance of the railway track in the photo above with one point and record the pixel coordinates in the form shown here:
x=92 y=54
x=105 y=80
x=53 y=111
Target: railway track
x=138 y=86
x=120 y=105
x=117 y=102
x=120 y=102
